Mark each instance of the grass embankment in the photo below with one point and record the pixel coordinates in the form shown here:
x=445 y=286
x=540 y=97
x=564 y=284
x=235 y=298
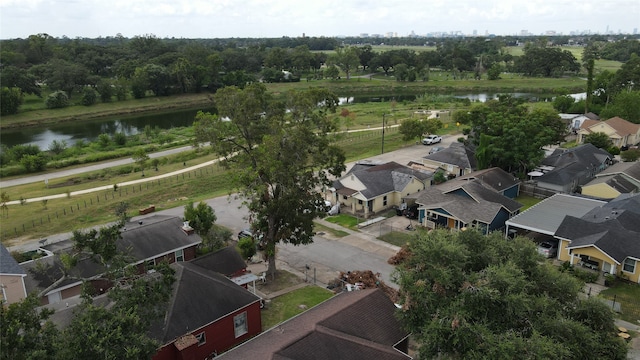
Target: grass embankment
x=293 y=303
x=33 y=112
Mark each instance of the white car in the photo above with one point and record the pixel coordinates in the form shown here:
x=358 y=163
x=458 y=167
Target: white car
x=431 y=139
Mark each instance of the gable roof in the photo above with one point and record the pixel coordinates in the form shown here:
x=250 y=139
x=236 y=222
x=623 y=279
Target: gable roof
x=569 y=163
x=380 y=179
x=629 y=202
x=622 y=126
x=466 y=200
x=617 y=182
x=199 y=297
x=610 y=235
x=496 y=178
x=155 y=236
x=226 y=261
x=9 y=265
x=158 y=235
x=546 y=216
x=351 y=325
x=456 y=154
x=630 y=169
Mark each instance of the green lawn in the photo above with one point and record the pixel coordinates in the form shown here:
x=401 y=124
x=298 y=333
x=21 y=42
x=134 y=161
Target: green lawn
x=331 y=231
x=291 y=304
x=344 y=220
x=628 y=295
x=397 y=238
x=527 y=201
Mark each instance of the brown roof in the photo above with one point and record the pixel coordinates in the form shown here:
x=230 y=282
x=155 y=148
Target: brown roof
x=622 y=126
x=351 y=325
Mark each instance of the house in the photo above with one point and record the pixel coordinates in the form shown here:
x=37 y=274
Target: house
x=370 y=187
x=620 y=131
x=207 y=315
x=159 y=238
x=619 y=178
x=497 y=179
x=12 y=287
x=607 y=238
x=566 y=169
x=351 y=325
x=458 y=159
x=465 y=203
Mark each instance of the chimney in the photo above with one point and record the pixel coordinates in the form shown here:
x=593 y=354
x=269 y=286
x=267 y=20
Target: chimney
x=187 y=228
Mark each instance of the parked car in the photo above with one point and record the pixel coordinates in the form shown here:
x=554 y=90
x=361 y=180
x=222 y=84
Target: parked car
x=548 y=249
x=431 y=139
x=435 y=149
x=245 y=233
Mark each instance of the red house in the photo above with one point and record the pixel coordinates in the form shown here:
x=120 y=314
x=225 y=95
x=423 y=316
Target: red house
x=207 y=315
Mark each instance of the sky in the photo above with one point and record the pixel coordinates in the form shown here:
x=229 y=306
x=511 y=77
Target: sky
x=294 y=18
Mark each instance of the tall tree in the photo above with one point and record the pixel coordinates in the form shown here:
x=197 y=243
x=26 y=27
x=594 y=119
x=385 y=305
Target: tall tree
x=279 y=159
x=345 y=58
x=469 y=296
x=416 y=128
x=200 y=217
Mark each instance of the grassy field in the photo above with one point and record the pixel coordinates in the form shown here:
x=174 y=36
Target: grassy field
x=293 y=303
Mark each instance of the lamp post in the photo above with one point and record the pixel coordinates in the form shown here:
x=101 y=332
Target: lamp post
x=383 y=115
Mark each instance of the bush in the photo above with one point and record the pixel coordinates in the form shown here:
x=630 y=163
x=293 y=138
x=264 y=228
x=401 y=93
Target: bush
x=120 y=139
x=57 y=146
x=586 y=276
x=104 y=140
x=630 y=155
x=89 y=96
x=10 y=100
x=33 y=163
x=614 y=150
x=247 y=247
x=57 y=99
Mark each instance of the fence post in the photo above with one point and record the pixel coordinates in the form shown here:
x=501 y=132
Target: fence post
x=613 y=305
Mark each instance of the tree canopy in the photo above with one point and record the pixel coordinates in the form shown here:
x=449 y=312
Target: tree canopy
x=510 y=136
x=279 y=159
x=466 y=295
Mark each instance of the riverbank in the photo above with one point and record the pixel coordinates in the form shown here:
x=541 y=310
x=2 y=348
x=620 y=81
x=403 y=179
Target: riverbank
x=104 y=110
x=439 y=83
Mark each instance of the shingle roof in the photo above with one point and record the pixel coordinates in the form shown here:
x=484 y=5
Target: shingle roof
x=352 y=325
x=456 y=154
x=629 y=202
x=630 y=169
x=466 y=200
x=9 y=265
x=546 y=216
x=610 y=236
x=380 y=179
x=617 y=182
x=622 y=126
x=494 y=177
x=569 y=163
x=226 y=261
x=199 y=297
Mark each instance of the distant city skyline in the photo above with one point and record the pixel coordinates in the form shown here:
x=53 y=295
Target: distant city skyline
x=330 y=18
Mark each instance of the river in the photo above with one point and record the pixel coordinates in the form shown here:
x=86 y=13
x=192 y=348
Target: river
x=71 y=132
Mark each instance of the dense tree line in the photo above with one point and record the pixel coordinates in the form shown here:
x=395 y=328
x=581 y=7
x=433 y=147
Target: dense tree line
x=117 y=67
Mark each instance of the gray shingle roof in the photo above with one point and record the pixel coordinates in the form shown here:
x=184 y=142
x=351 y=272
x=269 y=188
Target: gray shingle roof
x=466 y=200
x=352 y=325
x=495 y=177
x=199 y=297
x=631 y=169
x=610 y=236
x=226 y=261
x=456 y=154
x=569 y=163
x=9 y=265
x=380 y=179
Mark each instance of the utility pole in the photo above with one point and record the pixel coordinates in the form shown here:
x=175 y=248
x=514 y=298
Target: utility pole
x=383 y=115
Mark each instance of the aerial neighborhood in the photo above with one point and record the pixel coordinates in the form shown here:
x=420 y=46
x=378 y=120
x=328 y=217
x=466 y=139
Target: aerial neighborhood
x=320 y=197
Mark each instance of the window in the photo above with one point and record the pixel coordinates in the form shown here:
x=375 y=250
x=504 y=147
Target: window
x=629 y=265
x=384 y=201
x=359 y=202
x=180 y=255
x=344 y=197
x=240 y=324
x=202 y=338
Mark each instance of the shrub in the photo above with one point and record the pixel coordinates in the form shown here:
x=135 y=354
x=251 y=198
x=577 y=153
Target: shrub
x=120 y=139
x=586 y=276
x=33 y=163
x=57 y=99
x=104 y=140
x=57 y=146
x=89 y=96
x=630 y=155
x=614 y=150
x=247 y=247
x=10 y=100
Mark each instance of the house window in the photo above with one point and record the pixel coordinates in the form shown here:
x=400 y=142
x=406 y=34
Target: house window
x=359 y=202
x=384 y=201
x=344 y=197
x=180 y=255
x=629 y=265
x=240 y=324
x=202 y=338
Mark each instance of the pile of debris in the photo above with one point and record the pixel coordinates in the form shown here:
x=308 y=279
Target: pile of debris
x=400 y=256
x=357 y=280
